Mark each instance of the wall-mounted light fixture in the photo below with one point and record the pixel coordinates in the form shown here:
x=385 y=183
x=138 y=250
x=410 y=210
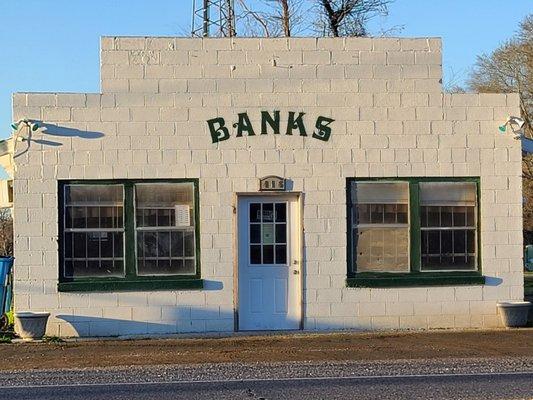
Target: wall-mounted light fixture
x=516 y=124
x=32 y=125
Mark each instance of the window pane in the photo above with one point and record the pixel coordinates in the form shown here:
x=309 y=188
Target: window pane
x=188 y=267
x=376 y=213
x=459 y=216
x=255 y=233
x=390 y=214
x=446 y=215
x=268 y=212
x=459 y=241
x=281 y=233
x=362 y=214
x=93 y=245
x=448 y=193
x=268 y=233
x=188 y=239
x=177 y=244
x=281 y=212
x=402 y=210
x=423 y=217
x=470 y=216
x=165 y=228
x=447 y=244
x=281 y=254
x=380 y=192
x=433 y=216
x=80 y=245
x=163 y=244
x=163 y=203
x=67 y=245
x=433 y=241
x=94 y=194
x=94 y=234
x=93 y=217
x=106 y=245
x=76 y=217
x=93 y=268
x=118 y=245
x=255 y=254
x=149 y=243
x=268 y=254
x=108 y=217
x=255 y=212
x=382 y=250
x=471 y=241
x=377 y=244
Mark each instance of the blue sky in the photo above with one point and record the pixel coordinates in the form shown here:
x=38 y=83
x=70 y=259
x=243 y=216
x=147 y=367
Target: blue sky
x=53 y=45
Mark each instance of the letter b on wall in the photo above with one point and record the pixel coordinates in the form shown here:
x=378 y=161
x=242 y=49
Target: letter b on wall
x=218 y=130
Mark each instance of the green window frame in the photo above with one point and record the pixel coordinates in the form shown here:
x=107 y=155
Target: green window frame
x=416 y=274
x=130 y=279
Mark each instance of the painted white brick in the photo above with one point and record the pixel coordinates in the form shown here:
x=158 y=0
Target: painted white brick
x=391 y=119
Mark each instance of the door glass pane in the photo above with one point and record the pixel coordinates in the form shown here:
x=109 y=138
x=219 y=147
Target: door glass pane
x=268 y=236
x=281 y=254
x=281 y=233
x=281 y=212
x=255 y=254
x=268 y=233
x=268 y=254
x=255 y=212
x=255 y=233
x=268 y=212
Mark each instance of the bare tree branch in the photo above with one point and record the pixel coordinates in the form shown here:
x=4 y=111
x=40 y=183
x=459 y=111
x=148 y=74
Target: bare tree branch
x=349 y=17
x=509 y=69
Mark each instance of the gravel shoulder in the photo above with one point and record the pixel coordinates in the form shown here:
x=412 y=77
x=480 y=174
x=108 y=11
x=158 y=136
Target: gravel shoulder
x=511 y=345
x=233 y=372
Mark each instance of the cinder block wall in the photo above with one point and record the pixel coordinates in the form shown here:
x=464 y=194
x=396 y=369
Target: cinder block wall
x=391 y=119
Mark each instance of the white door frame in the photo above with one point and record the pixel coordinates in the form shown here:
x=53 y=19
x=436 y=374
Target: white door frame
x=295 y=196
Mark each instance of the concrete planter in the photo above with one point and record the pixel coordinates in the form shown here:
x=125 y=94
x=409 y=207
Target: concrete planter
x=514 y=313
x=31 y=325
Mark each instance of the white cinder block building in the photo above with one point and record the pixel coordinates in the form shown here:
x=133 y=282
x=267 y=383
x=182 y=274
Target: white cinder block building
x=385 y=203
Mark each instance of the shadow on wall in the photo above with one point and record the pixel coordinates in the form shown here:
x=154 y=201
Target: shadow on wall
x=143 y=316
x=58 y=131
x=62 y=131
x=150 y=321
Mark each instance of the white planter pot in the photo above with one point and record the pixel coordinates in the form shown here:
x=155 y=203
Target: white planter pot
x=514 y=313
x=31 y=325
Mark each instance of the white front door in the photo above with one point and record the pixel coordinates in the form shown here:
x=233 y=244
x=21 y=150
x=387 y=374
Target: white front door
x=269 y=263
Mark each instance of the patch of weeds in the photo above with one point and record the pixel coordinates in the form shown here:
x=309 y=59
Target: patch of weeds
x=52 y=339
x=5 y=338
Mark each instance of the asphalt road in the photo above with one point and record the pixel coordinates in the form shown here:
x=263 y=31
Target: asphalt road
x=513 y=385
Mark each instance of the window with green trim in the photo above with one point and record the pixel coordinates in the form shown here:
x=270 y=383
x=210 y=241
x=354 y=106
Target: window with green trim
x=129 y=234
x=410 y=227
